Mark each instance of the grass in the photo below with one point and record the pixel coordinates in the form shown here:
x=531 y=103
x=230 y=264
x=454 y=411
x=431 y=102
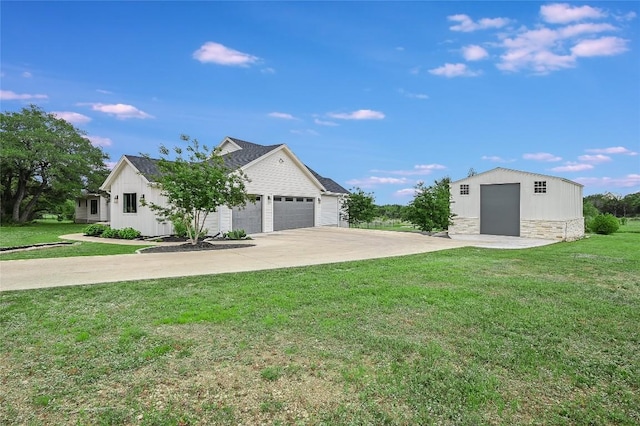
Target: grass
x=48 y=232
x=468 y=336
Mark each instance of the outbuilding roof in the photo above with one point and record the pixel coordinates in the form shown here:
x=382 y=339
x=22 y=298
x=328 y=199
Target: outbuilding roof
x=504 y=169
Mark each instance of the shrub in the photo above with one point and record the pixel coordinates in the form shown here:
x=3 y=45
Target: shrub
x=95 y=230
x=110 y=233
x=179 y=227
x=604 y=224
x=128 y=233
x=236 y=234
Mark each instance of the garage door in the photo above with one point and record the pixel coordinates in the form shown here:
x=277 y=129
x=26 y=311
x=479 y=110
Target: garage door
x=500 y=209
x=248 y=218
x=292 y=212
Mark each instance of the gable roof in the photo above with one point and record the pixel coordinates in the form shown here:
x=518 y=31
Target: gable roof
x=514 y=171
x=248 y=153
x=329 y=184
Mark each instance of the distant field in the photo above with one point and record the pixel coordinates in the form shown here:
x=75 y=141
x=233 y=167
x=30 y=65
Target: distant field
x=461 y=337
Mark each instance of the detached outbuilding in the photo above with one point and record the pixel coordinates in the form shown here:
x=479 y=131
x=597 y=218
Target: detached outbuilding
x=516 y=203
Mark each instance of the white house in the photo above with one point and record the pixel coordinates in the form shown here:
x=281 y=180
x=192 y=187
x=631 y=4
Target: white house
x=511 y=202
x=288 y=194
x=92 y=207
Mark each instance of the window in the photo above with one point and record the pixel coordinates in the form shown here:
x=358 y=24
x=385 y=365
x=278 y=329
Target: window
x=464 y=189
x=94 y=206
x=540 y=187
x=79 y=203
x=129 y=205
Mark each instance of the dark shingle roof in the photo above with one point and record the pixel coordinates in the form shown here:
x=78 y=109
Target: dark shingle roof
x=329 y=184
x=146 y=166
x=250 y=151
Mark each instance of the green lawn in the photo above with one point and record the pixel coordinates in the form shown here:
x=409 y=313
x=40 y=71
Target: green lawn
x=470 y=336
x=49 y=232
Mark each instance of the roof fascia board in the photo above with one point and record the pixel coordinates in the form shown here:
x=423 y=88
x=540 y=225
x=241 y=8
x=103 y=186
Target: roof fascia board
x=106 y=186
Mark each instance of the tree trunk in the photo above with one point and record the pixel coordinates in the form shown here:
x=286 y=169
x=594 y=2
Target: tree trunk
x=28 y=210
x=17 y=200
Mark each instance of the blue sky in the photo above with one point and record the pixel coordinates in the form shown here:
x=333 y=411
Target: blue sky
x=375 y=95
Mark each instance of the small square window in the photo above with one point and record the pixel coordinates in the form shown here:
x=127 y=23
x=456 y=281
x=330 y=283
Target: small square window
x=540 y=187
x=464 y=189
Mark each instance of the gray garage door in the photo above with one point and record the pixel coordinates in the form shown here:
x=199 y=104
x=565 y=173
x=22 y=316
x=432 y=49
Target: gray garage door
x=500 y=209
x=292 y=212
x=248 y=218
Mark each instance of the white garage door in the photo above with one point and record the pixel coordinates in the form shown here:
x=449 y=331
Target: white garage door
x=292 y=212
x=248 y=218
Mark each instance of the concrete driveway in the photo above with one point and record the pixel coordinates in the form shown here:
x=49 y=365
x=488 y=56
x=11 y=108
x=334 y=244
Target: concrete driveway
x=282 y=249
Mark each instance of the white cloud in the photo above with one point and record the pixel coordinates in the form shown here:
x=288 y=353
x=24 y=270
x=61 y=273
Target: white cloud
x=572 y=167
x=415 y=70
x=454 y=70
x=27 y=74
x=466 y=24
x=99 y=141
x=544 y=49
x=474 y=52
x=604 y=46
x=361 y=114
x=72 y=117
x=623 y=182
x=375 y=180
x=8 y=95
x=595 y=159
x=581 y=29
x=104 y=92
x=282 y=115
x=325 y=123
x=496 y=159
x=219 y=54
x=413 y=95
x=562 y=13
x=406 y=192
x=268 y=70
x=612 y=150
x=120 y=111
x=111 y=164
x=542 y=156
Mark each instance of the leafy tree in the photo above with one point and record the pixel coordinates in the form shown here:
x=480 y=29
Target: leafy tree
x=44 y=161
x=359 y=207
x=390 y=211
x=196 y=186
x=430 y=208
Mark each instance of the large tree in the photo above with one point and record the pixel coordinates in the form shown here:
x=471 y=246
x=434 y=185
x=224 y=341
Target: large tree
x=430 y=209
x=359 y=207
x=196 y=186
x=44 y=161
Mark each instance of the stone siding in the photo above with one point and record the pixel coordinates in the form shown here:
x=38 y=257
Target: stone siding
x=561 y=230
x=465 y=225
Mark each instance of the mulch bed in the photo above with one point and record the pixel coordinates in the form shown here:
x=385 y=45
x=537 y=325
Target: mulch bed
x=200 y=246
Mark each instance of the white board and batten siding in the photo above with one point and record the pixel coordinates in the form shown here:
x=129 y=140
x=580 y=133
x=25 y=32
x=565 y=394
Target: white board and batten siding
x=144 y=220
x=330 y=210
